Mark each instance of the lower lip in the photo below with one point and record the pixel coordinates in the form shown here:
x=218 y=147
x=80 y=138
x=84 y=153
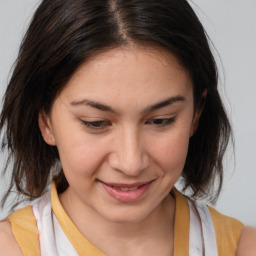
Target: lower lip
x=126 y=196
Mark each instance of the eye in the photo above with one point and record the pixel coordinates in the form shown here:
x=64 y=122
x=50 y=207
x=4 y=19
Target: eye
x=161 y=122
x=96 y=125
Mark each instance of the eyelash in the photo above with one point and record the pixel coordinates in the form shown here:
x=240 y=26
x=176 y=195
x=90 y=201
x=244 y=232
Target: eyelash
x=102 y=124
x=161 y=122
x=96 y=125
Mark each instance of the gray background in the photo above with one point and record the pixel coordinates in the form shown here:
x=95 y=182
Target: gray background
x=231 y=24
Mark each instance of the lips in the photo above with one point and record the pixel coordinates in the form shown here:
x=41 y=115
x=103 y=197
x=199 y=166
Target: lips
x=125 y=188
x=126 y=192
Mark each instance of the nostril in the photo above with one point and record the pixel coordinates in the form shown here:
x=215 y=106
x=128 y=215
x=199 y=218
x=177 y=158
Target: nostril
x=131 y=165
x=113 y=160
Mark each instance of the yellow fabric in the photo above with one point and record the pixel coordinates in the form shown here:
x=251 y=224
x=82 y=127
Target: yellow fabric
x=84 y=247
x=228 y=231
x=181 y=226
x=25 y=231
x=80 y=243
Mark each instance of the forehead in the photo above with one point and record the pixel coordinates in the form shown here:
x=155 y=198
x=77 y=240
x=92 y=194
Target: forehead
x=130 y=73
x=123 y=56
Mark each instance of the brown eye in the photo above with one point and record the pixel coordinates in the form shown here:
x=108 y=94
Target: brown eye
x=161 y=122
x=99 y=124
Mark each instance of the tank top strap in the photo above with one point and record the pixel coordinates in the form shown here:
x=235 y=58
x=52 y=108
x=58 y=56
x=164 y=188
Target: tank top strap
x=228 y=231
x=202 y=237
x=24 y=229
x=52 y=239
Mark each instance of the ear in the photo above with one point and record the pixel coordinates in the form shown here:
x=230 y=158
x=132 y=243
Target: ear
x=198 y=111
x=45 y=127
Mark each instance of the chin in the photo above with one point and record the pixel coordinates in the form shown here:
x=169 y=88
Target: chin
x=127 y=216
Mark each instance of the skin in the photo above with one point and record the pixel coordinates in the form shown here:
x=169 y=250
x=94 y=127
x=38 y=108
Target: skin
x=125 y=142
x=127 y=148
x=8 y=244
x=247 y=242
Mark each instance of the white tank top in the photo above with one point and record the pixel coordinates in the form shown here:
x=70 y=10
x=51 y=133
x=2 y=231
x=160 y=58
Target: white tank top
x=54 y=242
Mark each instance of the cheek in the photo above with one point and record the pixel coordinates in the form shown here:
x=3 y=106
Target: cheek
x=171 y=152
x=79 y=154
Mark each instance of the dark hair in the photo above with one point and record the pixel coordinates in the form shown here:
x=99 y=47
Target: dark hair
x=63 y=35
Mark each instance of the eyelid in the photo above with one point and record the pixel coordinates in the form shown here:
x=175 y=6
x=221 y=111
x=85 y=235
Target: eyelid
x=92 y=124
x=167 y=121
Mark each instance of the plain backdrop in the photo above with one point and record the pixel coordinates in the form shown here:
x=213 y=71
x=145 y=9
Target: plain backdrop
x=231 y=25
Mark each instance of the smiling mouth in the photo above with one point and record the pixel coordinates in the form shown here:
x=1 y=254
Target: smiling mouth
x=126 y=192
x=126 y=189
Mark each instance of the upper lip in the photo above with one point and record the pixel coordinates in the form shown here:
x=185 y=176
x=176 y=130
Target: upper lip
x=125 y=185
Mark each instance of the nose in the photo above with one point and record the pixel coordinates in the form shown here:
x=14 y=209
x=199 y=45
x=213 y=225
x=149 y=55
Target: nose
x=129 y=154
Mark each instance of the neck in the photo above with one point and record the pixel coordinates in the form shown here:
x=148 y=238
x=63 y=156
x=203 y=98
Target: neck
x=149 y=236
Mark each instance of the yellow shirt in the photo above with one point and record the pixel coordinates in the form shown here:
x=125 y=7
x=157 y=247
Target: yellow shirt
x=24 y=228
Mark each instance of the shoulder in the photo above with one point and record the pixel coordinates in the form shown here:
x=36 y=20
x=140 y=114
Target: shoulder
x=247 y=242
x=8 y=244
x=20 y=233
x=226 y=224
x=228 y=232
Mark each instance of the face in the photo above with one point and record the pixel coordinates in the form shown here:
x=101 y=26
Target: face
x=122 y=126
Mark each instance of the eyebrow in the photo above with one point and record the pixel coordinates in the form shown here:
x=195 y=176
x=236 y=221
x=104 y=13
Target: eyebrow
x=106 y=108
x=164 y=103
x=93 y=104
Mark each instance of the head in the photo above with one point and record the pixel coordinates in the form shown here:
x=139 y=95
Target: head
x=65 y=35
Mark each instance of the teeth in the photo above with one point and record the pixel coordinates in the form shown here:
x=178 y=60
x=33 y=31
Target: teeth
x=126 y=189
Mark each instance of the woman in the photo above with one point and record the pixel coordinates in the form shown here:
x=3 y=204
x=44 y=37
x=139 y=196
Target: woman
x=114 y=101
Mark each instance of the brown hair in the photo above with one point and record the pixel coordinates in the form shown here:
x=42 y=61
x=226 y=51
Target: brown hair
x=63 y=35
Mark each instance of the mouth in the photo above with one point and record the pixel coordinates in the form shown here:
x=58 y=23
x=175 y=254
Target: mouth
x=126 y=192
x=126 y=187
